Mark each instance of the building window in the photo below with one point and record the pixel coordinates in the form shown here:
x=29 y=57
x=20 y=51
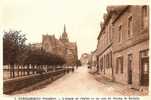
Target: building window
x=120 y=33
x=130 y=58
x=101 y=64
x=144 y=53
x=110 y=32
x=119 y=64
x=130 y=29
x=107 y=61
x=110 y=61
x=106 y=32
x=104 y=63
x=144 y=15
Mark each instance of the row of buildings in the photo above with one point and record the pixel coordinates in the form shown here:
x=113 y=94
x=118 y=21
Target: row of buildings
x=62 y=47
x=122 y=52
x=85 y=59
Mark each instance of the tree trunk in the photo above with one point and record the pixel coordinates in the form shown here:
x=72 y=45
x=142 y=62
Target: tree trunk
x=37 y=69
x=24 y=69
x=13 y=70
x=47 y=67
x=18 y=70
x=21 y=70
x=10 y=71
x=27 y=69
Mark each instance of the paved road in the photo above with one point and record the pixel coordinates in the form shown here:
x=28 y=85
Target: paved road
x=79 y=83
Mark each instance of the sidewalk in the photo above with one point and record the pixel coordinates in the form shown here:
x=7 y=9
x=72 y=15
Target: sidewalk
x=123 y=89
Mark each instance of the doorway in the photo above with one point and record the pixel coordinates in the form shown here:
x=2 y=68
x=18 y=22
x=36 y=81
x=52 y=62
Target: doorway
x=144 y=67
x=145 y=71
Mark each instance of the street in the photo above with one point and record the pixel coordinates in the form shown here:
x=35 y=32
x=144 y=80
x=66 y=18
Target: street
x=78 y=83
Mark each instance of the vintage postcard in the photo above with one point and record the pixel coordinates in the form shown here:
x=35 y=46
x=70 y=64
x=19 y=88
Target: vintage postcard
x=75 y=49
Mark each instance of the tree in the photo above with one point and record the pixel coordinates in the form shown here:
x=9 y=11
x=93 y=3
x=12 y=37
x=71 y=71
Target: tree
x=41 y=57
x=16 y=52
x=13 y=48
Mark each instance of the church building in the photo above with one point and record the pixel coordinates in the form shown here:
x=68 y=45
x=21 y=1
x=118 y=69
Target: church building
x=62 y=47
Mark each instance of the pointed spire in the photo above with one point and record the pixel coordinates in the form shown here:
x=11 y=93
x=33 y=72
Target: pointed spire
x=64 y=35
x=64 y=28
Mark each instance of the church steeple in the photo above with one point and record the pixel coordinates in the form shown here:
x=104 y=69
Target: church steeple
x=64 y=37
x=64 y=28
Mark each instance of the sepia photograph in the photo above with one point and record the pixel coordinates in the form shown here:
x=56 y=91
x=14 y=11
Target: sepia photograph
x=75 y=48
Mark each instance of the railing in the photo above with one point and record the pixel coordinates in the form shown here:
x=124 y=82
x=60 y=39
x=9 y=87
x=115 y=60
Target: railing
x=25 y=70
x=28 y=75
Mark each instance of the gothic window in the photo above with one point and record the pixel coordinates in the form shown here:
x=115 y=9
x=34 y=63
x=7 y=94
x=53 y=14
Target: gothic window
x=46 y=46
x=69 y=52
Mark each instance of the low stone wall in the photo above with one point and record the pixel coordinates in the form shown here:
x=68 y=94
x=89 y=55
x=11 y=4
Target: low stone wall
x=12 y=85
x=67 y=70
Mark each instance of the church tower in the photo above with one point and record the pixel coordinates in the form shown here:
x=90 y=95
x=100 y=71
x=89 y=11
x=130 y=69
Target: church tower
x=64 y=36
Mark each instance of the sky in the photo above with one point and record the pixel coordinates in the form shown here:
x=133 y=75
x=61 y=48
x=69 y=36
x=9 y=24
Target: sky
x=37 y=17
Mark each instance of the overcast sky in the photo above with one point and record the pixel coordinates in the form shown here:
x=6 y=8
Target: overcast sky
x=37 y=17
